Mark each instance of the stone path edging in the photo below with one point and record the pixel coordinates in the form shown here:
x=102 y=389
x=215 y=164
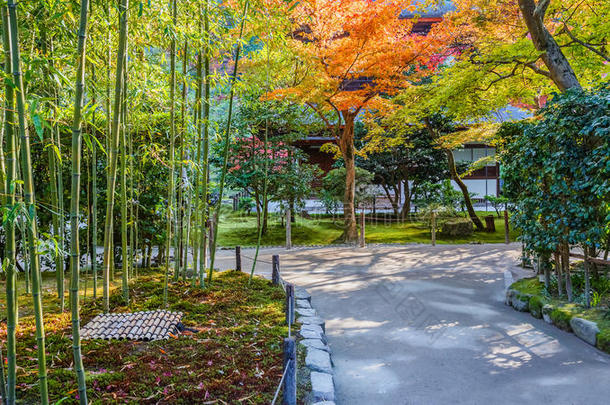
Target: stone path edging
x=318 y=368
x=584 y=329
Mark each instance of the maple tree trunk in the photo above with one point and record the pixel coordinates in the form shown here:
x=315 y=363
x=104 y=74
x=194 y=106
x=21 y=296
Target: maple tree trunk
x=346 y=144
x=455 y=177
x=559 y=68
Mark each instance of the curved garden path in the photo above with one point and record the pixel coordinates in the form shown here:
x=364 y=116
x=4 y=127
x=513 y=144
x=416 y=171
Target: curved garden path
x=427 y=325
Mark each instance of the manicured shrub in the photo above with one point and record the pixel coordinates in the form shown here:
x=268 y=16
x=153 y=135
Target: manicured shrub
x=458 y=227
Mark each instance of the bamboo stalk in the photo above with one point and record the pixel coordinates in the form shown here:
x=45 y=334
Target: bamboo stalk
x=74 y=202
x=206 y=146
x=265 y=174
x=227 y=139
x=11 y=175
x=172 y=136
x=197 y=121
x=29 y=200
x=108 y=228
x=123 y=169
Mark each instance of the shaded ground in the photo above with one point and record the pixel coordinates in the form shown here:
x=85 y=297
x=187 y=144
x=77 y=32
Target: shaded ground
x=427 y=325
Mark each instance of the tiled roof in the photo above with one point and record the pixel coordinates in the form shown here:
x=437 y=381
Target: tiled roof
x=146 y=325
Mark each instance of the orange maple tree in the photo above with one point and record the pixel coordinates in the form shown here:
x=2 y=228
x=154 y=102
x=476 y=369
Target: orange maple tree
x=350 y=56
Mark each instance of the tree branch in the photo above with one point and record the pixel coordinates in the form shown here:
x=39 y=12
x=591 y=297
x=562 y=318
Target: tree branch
x=590 y=47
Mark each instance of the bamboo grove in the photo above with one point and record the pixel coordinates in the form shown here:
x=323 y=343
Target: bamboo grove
x=109 y=113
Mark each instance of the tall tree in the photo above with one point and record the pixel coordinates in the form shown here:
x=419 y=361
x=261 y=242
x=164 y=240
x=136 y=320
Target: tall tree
x=346 y=56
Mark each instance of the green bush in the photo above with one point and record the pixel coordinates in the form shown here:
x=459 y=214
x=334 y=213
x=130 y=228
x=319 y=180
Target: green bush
x=458 y=227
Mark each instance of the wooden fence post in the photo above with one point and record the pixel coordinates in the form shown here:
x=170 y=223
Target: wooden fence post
x=506 y=228
x=288 y=230
x=362 y=229
x=289 y=304
x=238 y=258
x=433 y=228
x=290 y=380
x=275 y=269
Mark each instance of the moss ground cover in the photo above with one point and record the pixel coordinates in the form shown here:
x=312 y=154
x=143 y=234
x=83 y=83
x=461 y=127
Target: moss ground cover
x=240 y=229
x=235 y=357
x=563 y=311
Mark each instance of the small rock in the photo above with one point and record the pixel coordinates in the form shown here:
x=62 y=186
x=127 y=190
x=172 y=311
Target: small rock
x=312 y=327
x=322 y=387
x=318 y=360
x=303 y=304
x=312 y=320
x=521 y=302
x=546 y=313
x=302 y=294
x=306 y=311
x=315 y=344
x=311 y=334
x=586 y=330
x=325 y=403
x=509 y=297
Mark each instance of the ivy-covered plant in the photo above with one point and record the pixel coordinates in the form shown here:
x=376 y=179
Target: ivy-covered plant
x=556 y=171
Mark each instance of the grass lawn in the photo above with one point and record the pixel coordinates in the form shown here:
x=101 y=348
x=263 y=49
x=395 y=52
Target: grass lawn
x=239 y=229
x=235 y=358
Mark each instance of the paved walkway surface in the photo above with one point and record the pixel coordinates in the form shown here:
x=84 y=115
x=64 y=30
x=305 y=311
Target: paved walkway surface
x=427 y=325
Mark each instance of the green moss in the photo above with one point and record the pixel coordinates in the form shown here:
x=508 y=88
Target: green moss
x=603 y=340
x=240 y=332
x=536 y=304
x=561 y=318
x=531 y=286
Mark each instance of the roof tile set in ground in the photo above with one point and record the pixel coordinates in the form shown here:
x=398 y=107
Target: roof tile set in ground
x=145 y=325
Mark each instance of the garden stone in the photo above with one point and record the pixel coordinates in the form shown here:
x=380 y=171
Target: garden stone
x=318 y=360
x=312 y=327
x=546 y=313
x=306 y=311
x=311 y=334
x=312 y=320
x=521 y=302
x=586 y=330
x=303 y=304
x=322 y=387
x=325 y=403
x=302 y=294
x=509 y=297
x=315 y=344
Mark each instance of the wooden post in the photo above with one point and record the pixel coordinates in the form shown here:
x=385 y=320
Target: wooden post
x=238 y=258
x=506 y=228
x=290 y=380
x=275 y=269
x=289 y=304
x=362 y=229
x=433 y=228
x=288 y=230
